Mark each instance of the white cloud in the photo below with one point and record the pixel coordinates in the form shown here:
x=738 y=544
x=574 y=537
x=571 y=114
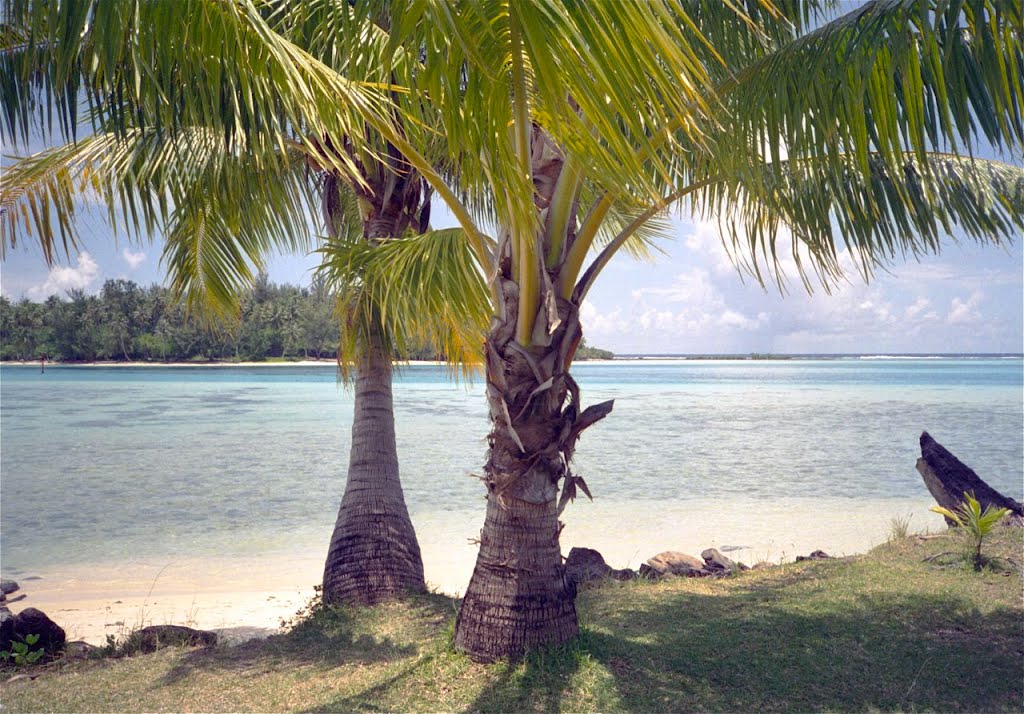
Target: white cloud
x=965 y=311
x=134 y=260
x=62 y=279
x=919 y=306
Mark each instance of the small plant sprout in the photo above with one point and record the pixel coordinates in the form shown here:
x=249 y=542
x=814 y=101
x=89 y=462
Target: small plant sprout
x=974 y=522
x=22 y=653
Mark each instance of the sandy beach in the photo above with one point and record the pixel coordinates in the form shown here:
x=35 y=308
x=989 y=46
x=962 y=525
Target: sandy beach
x=249 y=596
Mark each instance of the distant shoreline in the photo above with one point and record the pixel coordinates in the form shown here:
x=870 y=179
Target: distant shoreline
x=627 y=358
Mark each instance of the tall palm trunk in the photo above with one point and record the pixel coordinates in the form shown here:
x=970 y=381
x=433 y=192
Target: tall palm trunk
x=519 y=597
x=374 y=555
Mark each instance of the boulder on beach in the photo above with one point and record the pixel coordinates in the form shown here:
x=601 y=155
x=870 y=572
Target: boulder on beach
x=586 y=564
x=8 y=586
x=815 y=555
x=716 y=561
x=671 y=562
x=31 y=621
x=948 y=479
x=152 y=638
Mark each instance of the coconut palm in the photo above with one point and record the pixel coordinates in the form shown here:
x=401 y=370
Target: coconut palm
x=848 y=132
x=574 y=126
x=223 y=207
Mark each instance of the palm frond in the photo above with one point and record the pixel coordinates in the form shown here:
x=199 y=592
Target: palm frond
x=890 y=77
x=880 y=217
x=222 y=211
x=420 y=289
x=181 y=64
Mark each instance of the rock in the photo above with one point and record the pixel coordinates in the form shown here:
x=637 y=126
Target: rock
x=6 y=629
x=8 y=586
x=815 y=555
x=16 y=598
x=646 y=572
x=31 y=621
x=79 y=649
x=762 y=565
x=152 y=638
x=948 y=478
x=672 y=563
x=716 y=561
x=585 y=564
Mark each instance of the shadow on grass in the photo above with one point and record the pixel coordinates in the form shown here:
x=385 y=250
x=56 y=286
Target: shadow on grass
x=750 y=650
x=329 y=637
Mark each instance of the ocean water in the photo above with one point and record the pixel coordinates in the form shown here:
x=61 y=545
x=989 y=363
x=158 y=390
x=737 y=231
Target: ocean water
x=105 y=466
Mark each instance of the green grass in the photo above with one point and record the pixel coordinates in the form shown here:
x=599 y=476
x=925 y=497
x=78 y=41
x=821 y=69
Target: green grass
x=884 y=631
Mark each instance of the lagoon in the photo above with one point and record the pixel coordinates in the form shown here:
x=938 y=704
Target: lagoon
x=210 y=493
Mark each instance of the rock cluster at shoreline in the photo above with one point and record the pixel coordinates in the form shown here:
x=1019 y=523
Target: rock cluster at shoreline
x=30 y=621
x=586 y=565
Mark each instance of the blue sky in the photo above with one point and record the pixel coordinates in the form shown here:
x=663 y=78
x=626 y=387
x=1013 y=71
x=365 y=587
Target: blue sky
x=689 y=300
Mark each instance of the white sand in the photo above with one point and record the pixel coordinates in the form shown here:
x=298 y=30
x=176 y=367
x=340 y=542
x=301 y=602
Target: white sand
x=251 y=595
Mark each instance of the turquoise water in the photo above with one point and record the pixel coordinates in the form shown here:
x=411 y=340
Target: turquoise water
x=99 y=465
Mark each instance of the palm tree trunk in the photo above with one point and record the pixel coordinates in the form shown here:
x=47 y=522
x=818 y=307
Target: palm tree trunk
x=373 y=555
x=519 y=597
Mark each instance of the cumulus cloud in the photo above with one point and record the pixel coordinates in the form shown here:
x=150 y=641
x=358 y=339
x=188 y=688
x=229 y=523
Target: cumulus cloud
x=61 y=279
x=133 y=259
x=962 y=312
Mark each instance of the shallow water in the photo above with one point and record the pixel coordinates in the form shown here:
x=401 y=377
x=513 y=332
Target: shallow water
x=107 y=466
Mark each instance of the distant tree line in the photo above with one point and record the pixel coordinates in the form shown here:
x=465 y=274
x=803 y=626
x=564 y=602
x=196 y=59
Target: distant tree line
x=126 y=322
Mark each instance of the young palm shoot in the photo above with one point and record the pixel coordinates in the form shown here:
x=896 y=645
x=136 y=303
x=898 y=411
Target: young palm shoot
x=976 y=524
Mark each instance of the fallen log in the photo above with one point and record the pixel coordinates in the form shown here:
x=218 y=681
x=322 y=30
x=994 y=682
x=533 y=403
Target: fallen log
x=948 y=478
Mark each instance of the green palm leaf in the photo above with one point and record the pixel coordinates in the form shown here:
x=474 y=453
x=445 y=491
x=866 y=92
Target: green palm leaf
x=420 y=289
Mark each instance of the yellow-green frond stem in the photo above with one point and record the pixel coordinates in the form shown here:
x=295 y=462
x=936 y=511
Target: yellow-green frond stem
x=616 y=244
x=530 y=266
x=556 y=228
x=581 y=246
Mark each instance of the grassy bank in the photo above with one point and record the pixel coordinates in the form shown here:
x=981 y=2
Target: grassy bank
x=881 y=631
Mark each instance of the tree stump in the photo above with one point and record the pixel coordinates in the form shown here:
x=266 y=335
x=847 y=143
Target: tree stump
x=948 y=478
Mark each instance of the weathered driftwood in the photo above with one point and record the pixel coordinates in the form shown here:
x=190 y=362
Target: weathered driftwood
x=948 y=478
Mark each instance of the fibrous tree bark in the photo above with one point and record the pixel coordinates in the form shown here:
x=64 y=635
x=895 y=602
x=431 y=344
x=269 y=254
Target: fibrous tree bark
x=519 y=596
x=374 y=555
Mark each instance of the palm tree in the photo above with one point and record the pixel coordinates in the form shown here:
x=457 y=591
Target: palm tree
x=233 y=203
x=574 y=127
x=582 y=120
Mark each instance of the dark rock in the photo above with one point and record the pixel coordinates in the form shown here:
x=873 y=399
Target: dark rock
x=31 y=621
x=8 y=586
x=646 y=572
x=762 y=565
x=673 y=563
x=717 y=561
x=152 y=638
x=815 y=555
x=16 y=598
x=585 y=564
x=6 y=629
x=948 y=478
x=79 y=649
x=32 y=577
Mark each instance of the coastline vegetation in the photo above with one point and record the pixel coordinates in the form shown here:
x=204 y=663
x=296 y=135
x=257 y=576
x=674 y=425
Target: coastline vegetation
x=128 y=322
x=886 y=630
